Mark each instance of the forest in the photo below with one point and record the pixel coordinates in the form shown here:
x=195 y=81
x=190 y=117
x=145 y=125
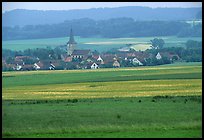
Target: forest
x=110 y=28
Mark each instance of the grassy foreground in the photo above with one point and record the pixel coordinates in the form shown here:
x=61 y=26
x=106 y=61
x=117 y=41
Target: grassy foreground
x=164 y=101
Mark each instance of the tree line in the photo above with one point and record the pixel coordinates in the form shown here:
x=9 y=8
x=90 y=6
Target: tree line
x=111 y=28
x=192 y=52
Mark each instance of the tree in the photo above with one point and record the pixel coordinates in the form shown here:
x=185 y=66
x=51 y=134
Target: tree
x=193 y=44
x=161 y=43
x=165 y=60
x=10 y=60
x=174 y=58
x=157 y=43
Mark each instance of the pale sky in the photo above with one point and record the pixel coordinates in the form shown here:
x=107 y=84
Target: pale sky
x=7 y=6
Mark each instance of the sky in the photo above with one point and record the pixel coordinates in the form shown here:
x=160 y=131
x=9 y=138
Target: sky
x=7 y=6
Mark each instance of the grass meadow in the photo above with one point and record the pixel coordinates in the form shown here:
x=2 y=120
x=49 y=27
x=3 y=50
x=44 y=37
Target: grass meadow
x=99 y=44
x=141 y=102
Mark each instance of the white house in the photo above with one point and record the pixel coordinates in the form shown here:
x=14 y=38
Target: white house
x=94 y=66
x=99 y=58
x=18 y=67
x=158 y=56
x=52 y=67
x=136 y=61
x=36 y=66
x=116 y=64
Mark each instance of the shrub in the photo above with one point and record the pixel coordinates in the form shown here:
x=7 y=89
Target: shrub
x=74 y=100
x=118 y=116
x=153 y=101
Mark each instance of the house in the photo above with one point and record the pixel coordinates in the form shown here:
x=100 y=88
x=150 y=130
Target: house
x=43 y=65
x=81 y=54
x=99 y=58
x=158 y=56
x=18 y=67
x=135 y=61
x=116 y=64
x=68 y=59
x=94 y=66
x=51 y=67
x=36 y=66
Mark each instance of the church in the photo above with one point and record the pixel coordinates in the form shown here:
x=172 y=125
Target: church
x=72 y=48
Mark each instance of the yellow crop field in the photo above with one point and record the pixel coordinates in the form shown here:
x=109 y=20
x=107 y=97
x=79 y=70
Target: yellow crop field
x=163 y=101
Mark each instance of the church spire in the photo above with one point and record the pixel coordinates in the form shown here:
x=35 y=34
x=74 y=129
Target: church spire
x=71 y=38
x=71 y=44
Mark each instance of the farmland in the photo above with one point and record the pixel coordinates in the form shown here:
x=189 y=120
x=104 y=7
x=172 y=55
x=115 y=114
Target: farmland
x=99 y=44
x=157 y=101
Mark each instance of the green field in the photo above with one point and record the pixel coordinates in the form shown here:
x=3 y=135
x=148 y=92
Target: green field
x=152 y=102
x=99 y=44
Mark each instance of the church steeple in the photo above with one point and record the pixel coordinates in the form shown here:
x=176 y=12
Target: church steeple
x=71 y=44
x=71 y=38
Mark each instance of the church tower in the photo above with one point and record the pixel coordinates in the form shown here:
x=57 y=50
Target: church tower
x=71 y=44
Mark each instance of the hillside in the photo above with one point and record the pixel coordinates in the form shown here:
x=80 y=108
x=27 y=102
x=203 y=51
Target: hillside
x=22 y=17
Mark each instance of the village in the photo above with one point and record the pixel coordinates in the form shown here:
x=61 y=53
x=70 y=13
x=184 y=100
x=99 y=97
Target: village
x=87 y=59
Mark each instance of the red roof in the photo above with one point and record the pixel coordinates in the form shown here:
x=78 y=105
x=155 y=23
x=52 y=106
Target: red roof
x=95 y=56
x=68 y=59
x=40 y=64
x=80 y=52
x=21 y=57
